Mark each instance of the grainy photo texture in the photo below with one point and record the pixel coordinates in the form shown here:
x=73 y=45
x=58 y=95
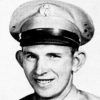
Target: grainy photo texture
x=50 y=33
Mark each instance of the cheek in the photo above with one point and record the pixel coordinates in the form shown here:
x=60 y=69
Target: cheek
x=62 y=67
x=28 y=66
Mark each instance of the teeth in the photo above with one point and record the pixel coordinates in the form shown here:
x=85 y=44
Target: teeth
x=44 y=81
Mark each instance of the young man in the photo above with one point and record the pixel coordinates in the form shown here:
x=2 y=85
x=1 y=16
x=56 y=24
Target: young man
x=50 y=33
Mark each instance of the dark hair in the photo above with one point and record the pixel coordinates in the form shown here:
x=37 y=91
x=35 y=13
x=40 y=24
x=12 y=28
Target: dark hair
x=73 y=50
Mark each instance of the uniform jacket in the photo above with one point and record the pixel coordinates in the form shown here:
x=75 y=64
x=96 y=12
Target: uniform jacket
x=74 y=94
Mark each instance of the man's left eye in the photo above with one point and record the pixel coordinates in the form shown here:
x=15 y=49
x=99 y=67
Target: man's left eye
x=53 y=55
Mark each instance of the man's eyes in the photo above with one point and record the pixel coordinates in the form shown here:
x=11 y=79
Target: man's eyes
x=53 y=55
x=30 y=56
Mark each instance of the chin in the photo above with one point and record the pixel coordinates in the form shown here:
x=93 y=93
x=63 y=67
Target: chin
x=48 y=93
x=45 y=94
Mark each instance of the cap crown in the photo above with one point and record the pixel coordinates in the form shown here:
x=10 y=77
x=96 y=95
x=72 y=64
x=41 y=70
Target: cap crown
x=51 y=14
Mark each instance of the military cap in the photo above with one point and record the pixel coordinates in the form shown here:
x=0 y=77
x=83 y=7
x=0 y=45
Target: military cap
x=51 y=22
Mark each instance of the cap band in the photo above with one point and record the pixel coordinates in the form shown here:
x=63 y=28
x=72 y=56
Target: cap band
x=49 y=36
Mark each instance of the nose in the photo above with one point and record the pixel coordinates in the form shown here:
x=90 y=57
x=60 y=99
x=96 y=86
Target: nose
x=40 y=67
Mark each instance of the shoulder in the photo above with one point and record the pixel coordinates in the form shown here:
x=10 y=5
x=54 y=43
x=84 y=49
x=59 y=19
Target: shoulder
x=87 y=96
x=29 y=97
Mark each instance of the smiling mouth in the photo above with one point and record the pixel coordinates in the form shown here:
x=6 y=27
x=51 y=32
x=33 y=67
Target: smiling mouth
x=43 y=81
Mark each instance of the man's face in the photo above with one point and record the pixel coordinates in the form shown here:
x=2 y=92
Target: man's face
x=48 y=68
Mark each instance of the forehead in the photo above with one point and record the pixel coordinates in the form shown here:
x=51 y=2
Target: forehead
x=47 y=49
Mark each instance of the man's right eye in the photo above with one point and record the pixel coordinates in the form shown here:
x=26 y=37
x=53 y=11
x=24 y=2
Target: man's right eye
x=30 y=56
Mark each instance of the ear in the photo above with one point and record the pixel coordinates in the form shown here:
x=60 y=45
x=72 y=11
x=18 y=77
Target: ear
x=19 y=57
x=78 y=60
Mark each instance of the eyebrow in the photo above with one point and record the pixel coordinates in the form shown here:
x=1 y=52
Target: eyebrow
x=47 y=54
x=28 y=52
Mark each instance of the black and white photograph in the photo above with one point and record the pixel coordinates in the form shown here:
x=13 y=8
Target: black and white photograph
x=50 y=50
